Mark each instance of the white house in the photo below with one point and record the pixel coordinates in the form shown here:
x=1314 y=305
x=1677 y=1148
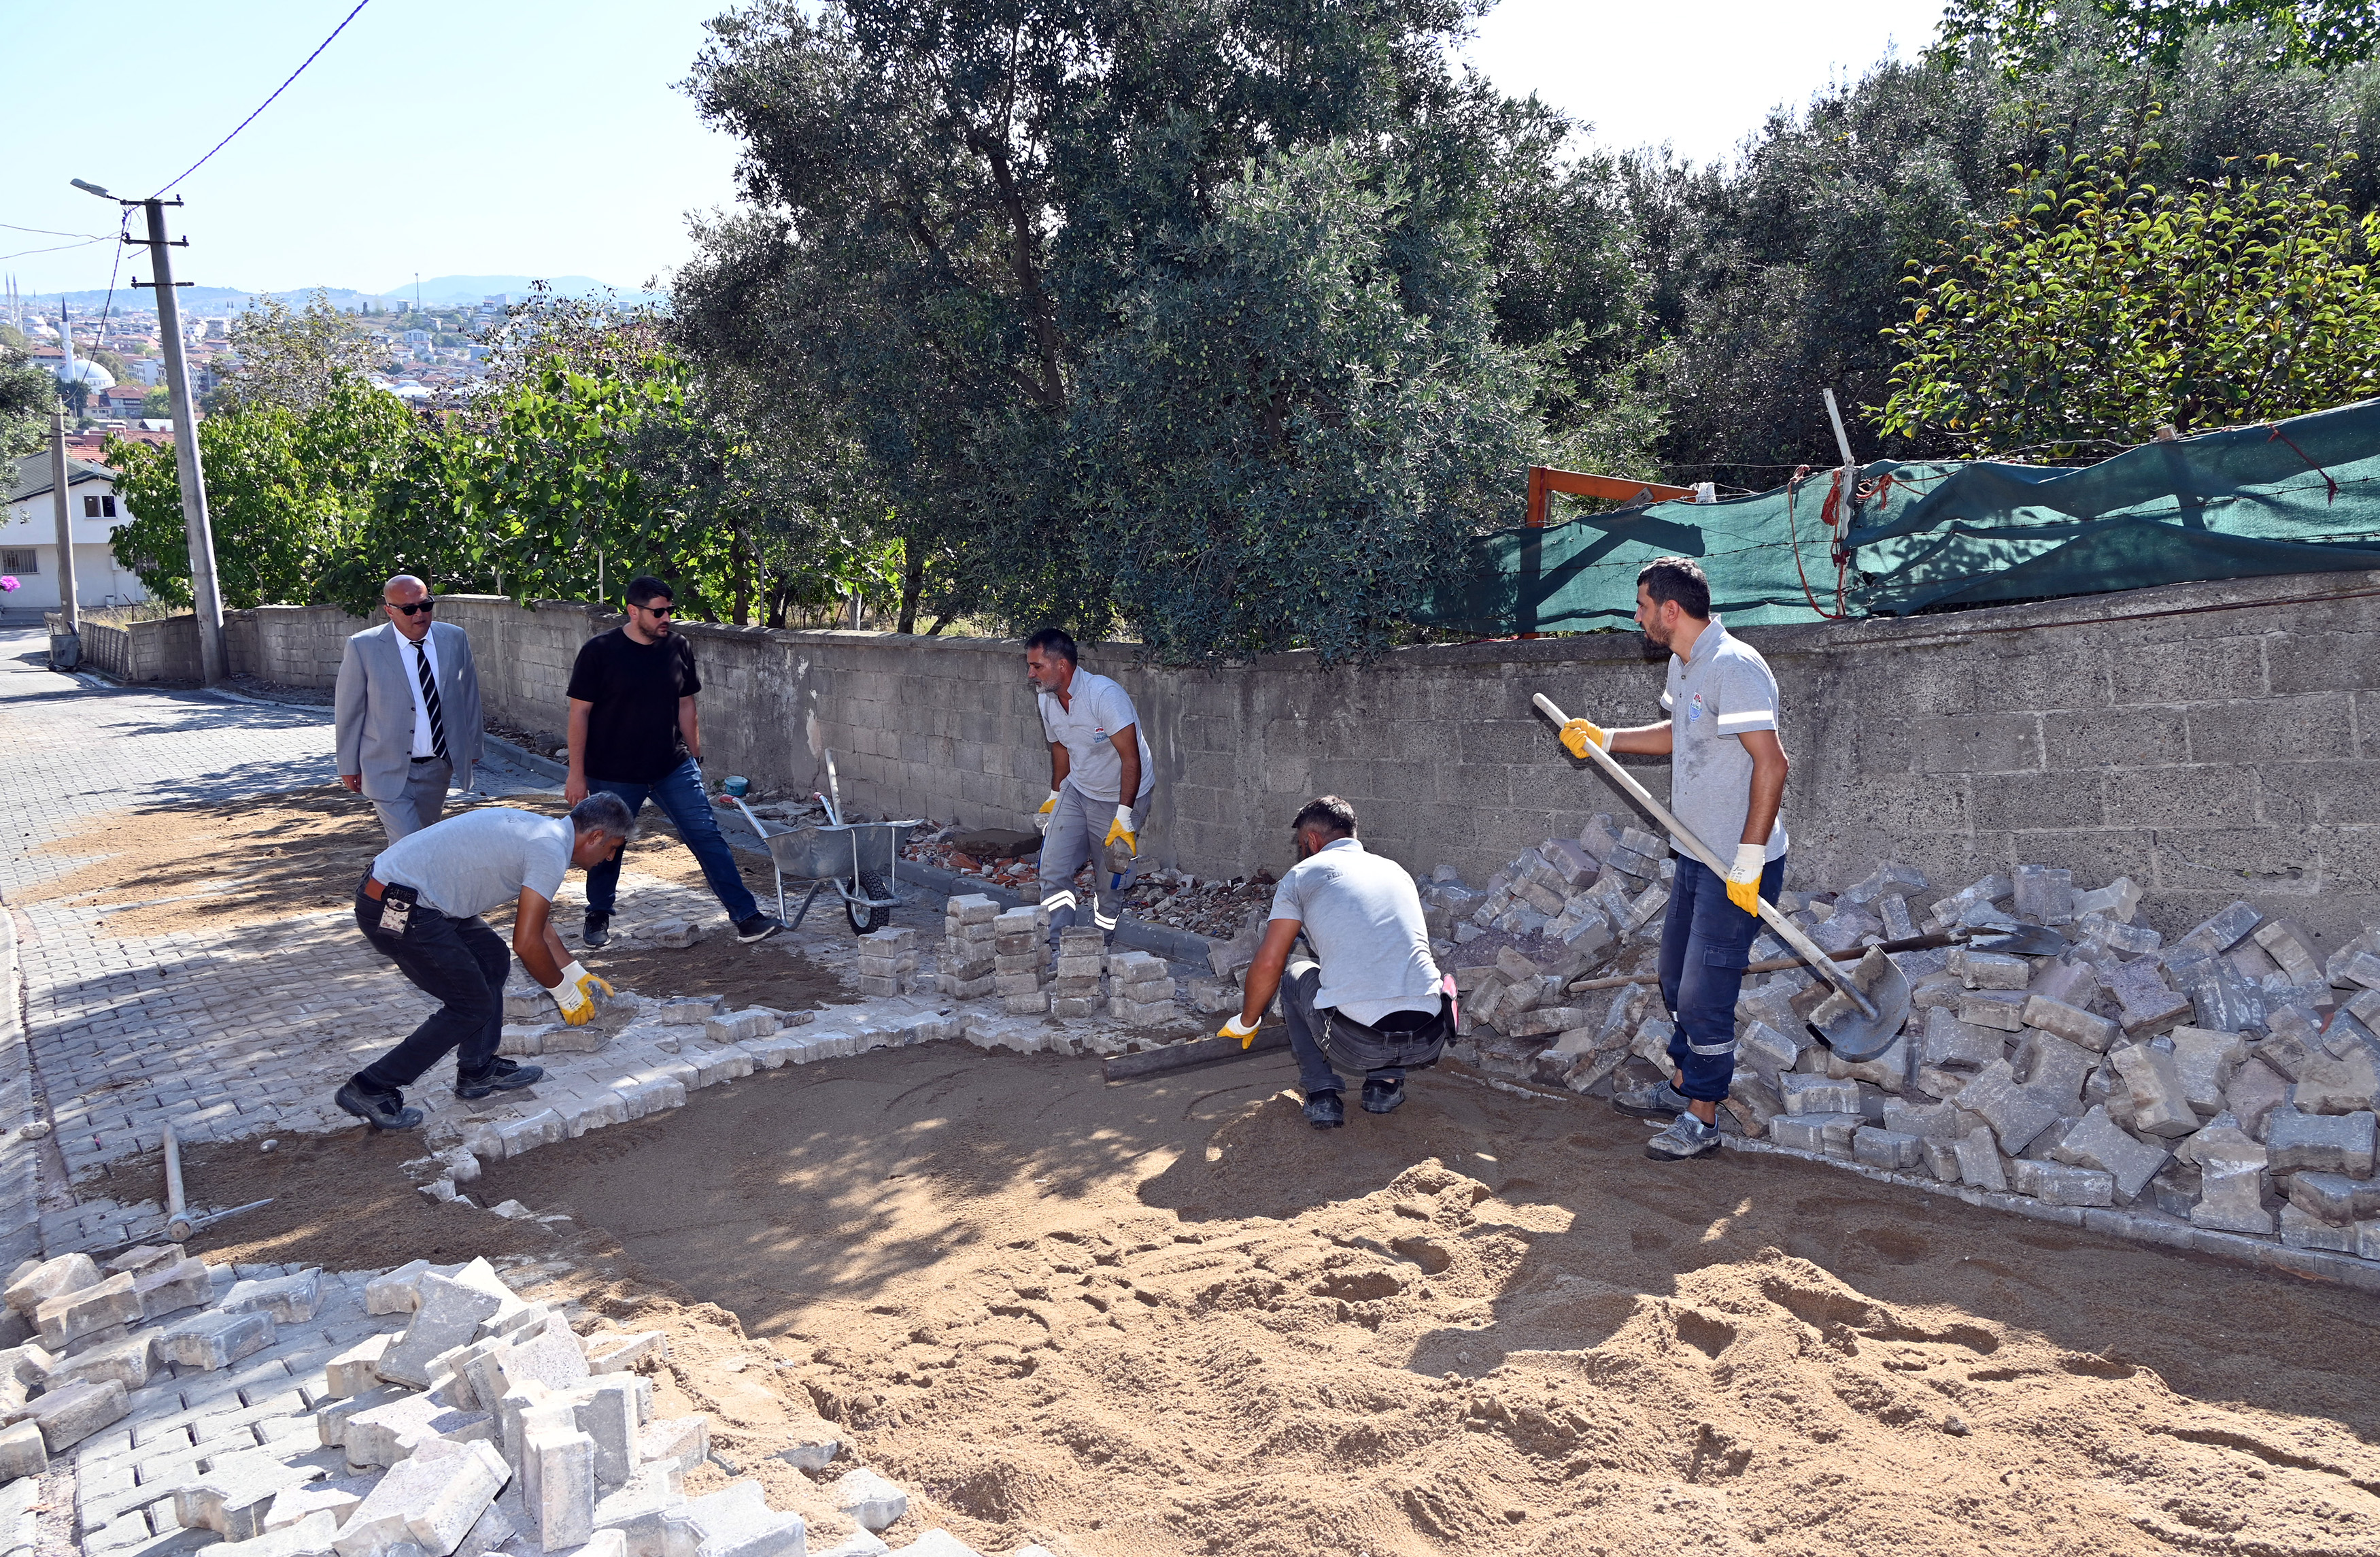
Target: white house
x=28 y=538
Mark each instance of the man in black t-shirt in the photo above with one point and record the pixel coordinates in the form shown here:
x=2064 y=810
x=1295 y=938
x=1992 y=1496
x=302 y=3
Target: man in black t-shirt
x=633 y=732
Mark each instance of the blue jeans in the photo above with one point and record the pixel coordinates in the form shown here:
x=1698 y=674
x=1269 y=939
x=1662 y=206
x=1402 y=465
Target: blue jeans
x=1706 y=941
x=680 y=796
x=1325 y=1043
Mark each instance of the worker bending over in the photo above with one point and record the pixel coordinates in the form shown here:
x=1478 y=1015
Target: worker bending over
x=1097 y=757
x=1727 y=782
x=419 y=907
x=1374 y=1004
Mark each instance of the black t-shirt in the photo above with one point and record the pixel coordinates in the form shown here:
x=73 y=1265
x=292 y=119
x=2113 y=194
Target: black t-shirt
x=632 y=734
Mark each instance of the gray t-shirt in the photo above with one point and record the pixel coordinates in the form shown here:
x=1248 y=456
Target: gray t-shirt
x=1363 y=918
x=477 y=862
x=1097 y=709
x=1721 y=693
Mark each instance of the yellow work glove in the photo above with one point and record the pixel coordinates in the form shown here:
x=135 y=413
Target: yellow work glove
x=590 y=982
x=1232 y=1029
x=1122 y=828
x=1047 y=814
x=1743 y=876
x=574 y=998
x=1579 y=732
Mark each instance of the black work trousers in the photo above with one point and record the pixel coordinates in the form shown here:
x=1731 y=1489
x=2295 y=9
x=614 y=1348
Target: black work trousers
x=459 y=963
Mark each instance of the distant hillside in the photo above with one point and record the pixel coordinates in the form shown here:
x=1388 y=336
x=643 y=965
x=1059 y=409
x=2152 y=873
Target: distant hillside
x=437 y=291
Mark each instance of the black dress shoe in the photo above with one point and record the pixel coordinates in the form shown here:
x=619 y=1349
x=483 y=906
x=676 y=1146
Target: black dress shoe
x=380 y=1112
x=504 y=1076
x=1325 y=1112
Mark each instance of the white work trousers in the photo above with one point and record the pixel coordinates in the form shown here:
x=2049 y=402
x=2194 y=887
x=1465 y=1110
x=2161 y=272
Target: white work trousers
x=1077 y=836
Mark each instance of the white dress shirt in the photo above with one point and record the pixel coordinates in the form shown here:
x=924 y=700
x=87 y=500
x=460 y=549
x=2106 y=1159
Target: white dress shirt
x=410 y=653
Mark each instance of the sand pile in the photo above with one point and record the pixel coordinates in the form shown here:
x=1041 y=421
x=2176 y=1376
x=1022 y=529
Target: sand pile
x=1169 y=1318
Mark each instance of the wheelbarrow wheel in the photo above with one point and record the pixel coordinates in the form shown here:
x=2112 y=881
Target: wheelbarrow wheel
x=864 y=919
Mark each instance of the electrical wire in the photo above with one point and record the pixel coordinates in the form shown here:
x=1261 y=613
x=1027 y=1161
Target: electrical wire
x=52 y=232
x=53 y=248
x=267 y=103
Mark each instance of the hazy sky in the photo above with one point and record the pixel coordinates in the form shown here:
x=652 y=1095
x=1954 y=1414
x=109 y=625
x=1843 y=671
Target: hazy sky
x=535 y=137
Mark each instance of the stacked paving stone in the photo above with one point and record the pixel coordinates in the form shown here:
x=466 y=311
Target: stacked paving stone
x=1020 y=960
x=2226 y=1082
x=1075 y=991
x=887 y=963
x=1141 y=991
x=965 y=961
x=466 y=1419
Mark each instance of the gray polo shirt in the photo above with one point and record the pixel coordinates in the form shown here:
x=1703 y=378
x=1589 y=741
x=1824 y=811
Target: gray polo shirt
x=1721 y=691
x=1363 y=918
x=1085 y=725
x=477 y=863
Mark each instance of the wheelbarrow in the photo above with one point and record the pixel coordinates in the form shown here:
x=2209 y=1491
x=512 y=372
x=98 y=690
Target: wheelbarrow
x=859 y=859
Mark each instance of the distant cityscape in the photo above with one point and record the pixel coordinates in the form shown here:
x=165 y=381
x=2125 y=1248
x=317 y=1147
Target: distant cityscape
x=429 y=339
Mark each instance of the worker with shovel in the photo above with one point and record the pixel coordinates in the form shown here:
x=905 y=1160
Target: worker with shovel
x=1727 y=782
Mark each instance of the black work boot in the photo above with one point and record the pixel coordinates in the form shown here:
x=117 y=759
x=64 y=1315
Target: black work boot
x=1384 y=1096
x=1324 y=1111
x=381 y=1111
x=504 y=1076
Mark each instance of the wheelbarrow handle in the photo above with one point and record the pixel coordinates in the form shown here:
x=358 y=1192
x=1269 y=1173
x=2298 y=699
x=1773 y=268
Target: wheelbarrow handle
x=1787 y=931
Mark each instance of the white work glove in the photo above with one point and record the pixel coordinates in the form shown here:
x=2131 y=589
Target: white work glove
x=1232 y=1029
x=575 y=996
x=1047 y=814
x=1122 y=828
x=1743 y=876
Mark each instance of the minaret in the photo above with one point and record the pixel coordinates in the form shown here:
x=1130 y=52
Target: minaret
x=66 y=340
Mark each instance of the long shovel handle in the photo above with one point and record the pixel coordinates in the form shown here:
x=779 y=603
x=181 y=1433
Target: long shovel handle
x=1787 y=931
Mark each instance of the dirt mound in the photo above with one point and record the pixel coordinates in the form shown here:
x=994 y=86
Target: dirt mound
x=1170 y=1318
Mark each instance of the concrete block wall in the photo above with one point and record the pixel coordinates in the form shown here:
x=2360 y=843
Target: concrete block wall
x=290 y=645
x=162 y=650
x=2213 y=741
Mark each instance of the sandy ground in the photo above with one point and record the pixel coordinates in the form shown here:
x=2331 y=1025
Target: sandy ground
x=1167 y=1316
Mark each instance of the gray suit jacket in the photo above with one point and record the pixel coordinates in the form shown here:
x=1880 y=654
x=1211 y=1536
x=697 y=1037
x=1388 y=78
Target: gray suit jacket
x=374 y=707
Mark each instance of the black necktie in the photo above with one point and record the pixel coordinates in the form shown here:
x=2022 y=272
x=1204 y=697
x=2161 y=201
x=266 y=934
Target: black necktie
x=430 y=701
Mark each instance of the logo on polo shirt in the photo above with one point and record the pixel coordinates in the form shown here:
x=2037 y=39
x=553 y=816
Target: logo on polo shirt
x=1695 y=709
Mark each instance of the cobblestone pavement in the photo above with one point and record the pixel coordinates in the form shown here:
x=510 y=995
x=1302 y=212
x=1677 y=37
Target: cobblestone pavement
x=235 y=1033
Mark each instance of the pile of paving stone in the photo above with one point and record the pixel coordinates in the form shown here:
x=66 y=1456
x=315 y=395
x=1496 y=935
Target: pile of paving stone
x=991 y=953
x=2225 y=1081
x=460 y=1419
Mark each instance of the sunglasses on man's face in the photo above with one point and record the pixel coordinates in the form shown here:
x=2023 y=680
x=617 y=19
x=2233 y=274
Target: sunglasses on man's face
x=417 y=608
x=657 y=609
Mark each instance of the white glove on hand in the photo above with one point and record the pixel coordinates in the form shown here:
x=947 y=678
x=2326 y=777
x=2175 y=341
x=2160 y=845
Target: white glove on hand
x=572 y=996
x=1232 y=1029
x=1047 y=814
x=1122 y=828
x=1743 y=876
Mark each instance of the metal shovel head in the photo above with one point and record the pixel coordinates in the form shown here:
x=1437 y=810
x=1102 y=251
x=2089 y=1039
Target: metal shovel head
x=1839 y=1022
x=2020 y=940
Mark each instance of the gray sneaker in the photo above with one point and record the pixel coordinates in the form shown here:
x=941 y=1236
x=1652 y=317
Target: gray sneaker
x=1661 y=1101
x=1686 y=1136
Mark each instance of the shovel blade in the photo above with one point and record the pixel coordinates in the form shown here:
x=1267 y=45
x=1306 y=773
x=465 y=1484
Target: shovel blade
x=1842 y=1025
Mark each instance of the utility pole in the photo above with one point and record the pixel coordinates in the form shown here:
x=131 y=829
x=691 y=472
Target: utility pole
x=205 y=593
x=69 y=604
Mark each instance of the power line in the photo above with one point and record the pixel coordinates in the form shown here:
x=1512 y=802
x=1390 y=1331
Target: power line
x=52 y=231
x=268 y=101
x=54 y=249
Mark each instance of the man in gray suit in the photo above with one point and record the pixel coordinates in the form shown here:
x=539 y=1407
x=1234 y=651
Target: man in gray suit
x=407 y=710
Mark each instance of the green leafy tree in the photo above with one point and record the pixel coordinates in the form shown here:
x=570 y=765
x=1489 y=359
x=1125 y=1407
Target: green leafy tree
x=27 y=395
x=2106 y=307
x=974 y=229
x=2023 y=36
x=287 y=492
x=292 y=358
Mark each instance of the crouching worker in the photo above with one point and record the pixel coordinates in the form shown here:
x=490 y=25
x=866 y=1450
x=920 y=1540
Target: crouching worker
x=419 y=907
x=1374 y=1005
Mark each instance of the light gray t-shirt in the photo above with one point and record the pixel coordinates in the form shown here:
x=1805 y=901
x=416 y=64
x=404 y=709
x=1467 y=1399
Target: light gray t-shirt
x=1722 y=692
x=1363 y=918
x=477 y=862
x=1087 y=729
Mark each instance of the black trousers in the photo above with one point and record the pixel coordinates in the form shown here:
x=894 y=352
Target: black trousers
x=459 y=963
